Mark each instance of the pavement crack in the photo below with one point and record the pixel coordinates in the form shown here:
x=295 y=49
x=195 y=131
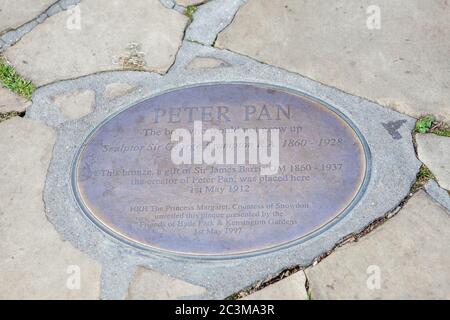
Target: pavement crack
x=11 y=37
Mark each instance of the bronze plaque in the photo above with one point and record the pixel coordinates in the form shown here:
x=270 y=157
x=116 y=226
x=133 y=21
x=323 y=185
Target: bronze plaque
x=125 y=180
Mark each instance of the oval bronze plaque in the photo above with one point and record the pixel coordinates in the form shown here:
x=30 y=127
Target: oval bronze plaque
x=124 y=178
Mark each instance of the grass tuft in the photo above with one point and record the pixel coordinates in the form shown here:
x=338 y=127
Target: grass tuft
x=428 y=124
x=10 y=79
x=442 y=129
x=423 y=176
x=424 y=124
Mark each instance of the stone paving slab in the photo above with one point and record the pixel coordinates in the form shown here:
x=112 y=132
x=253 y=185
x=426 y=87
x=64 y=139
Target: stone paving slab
x=12 y=36
x=434 y=152
x=14 y=13
x=190 y=2
x=439 y=195
x=403 y=65
x=9 y=101
x=140 y=34
x=35 y=262
x=290 y=288
x=210 y=19
x=151 y=285
x=405 y=258
x=75 y=105
x=206 y=63
x=114 y=90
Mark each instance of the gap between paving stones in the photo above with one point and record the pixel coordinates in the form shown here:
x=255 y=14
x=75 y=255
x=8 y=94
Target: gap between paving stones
x=210 y=19
x=8 y=115
x=364 y=63
x=155 y=42
x=172 y=4
x=425 y=174
x=10 y=37
x=214 y=23
x=228 y=23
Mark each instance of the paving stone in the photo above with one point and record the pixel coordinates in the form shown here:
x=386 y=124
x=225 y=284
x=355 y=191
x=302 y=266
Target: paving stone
x=54 y=9
x=114 y=90
x=439 y=195
x=206 y=63
x=75 y=105
x=210 y=19
x=35 y=262
x=11 y=37
x=112 y=35
x=410 y=254
x=290 y=288
x=9 y=101
x=151 y=285
x=403 y=65
x=66 y=4
x=168 y=3
x=14 y=13
x=189 y=2
x=434 y=152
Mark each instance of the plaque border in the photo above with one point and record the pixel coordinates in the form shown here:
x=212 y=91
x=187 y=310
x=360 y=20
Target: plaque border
x=247 y=254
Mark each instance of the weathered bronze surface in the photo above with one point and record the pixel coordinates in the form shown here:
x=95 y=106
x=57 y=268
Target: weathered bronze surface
x=125 y=181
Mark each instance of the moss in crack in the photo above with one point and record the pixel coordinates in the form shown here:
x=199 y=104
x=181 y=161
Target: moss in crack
x=308 y=289
x=262 y=284
x=10 y=79
x=441 y=129
x=423 y=176
x=8 y=115
x=233 y=297
x=189 y=12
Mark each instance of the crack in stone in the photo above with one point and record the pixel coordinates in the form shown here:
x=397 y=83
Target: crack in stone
x=8 y=115
x=10 y=37
x=169 y=4
x=211 y=18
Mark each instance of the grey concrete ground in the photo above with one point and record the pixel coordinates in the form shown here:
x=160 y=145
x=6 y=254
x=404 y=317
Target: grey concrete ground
x=383 y=67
